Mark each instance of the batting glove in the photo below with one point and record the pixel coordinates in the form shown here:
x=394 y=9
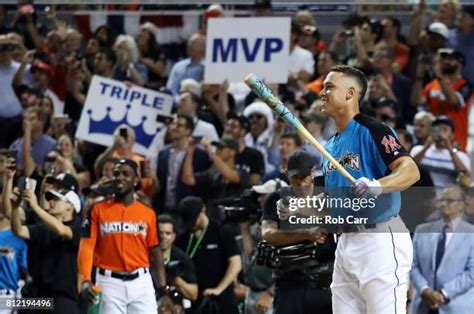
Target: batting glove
x=364 y=187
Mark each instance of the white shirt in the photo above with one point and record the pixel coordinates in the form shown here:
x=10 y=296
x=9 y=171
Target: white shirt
x=454 y=224
x=10 y=105
x=440 y=165
x=301 y=59
x=206 y=130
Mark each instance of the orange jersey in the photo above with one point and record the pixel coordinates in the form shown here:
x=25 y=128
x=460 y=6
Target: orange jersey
x=438 y=105
x=316 y=86
x=117 y=237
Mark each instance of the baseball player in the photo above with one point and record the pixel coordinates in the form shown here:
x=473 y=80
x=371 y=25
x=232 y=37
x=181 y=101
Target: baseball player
x=121 y=240
x=373 y=260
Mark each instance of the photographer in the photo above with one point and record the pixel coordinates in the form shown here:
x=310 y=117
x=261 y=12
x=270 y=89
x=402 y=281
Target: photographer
x=54 y=242
x=180 y=271
x=306 y=284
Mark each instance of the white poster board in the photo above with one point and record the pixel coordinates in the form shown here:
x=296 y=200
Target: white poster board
x=111 y=104
x=238 y=46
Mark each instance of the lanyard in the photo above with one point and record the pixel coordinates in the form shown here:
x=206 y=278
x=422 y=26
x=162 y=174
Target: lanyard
x=167 y=258
x=192 y=251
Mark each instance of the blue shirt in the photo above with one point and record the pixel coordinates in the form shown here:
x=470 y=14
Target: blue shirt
x=12 y=259
x=182 y=70
x=465 y=44
x=365 y=149
x=39 y=149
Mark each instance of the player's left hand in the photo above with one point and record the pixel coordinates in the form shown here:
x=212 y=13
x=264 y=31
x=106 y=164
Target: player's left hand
x=364 y=187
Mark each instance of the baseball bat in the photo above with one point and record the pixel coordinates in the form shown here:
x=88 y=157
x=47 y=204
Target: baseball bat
x=264 y=93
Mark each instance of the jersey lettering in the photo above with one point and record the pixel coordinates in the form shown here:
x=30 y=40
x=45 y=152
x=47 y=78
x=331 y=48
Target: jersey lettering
x=349 y=160
x=111 y=227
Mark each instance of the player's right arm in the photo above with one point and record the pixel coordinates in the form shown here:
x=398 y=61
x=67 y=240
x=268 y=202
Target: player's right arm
x=87 y=245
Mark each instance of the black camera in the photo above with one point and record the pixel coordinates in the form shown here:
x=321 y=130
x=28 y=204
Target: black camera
x=241 y=209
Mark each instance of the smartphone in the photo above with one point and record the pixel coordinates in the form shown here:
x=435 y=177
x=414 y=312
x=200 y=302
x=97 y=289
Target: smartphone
x=30 y=184
x=61 y=117
x=123 y=133
x=197 y=139
x=21 y=183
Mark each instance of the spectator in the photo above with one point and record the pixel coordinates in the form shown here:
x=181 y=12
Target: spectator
x=248 y=159
x=152 y=55
x=214 y=252
x=128 y=67
x=448 y=94
x=391 y=37
x=212 y=11
x=188 y=104
x=54 y=242
x=315 y=123
x=462 y=39
x=217 y=103
x=469 y=212
x=192 y=67
x=263 y=8
x=301 y=61
x=406 y=139
x=34 y=146
x=442 y=273
x=179 y=267
x=447 y=12
x=261 y=129
x=397 y=86
x=289 y=143
x=220 y=181
x=439 y=155
x=170 y=166
x=104 y=62
x=422 y=123
x=10 y=107
x=326 y=60
x=19 y=50
x=366 y=37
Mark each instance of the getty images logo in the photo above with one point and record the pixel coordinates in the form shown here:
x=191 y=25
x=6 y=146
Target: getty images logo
x=107 y=126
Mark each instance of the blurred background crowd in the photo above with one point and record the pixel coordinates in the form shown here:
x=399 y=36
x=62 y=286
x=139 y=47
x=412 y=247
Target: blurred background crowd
x=222 y=140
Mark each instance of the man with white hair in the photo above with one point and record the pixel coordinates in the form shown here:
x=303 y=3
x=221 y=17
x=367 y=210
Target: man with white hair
x=192 y=67
x=261 y=130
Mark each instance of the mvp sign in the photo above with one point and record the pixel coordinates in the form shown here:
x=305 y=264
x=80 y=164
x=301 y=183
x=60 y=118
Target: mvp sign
x=236 y=47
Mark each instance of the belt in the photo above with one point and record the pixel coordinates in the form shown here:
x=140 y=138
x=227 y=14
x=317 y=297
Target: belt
x=122 y=275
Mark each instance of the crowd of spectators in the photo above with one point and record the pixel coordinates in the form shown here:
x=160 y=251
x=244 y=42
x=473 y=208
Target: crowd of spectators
x=221 y=141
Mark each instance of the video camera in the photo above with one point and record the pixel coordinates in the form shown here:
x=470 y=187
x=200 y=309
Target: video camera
x=240 y=209
x=286 y=257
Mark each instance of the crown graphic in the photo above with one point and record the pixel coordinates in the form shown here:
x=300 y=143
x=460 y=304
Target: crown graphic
x=108 y=126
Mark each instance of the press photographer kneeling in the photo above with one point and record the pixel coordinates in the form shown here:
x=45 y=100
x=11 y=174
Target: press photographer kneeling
x=302 y=281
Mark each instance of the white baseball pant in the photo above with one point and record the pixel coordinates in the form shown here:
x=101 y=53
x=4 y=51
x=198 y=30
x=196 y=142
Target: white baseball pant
x=371 y=270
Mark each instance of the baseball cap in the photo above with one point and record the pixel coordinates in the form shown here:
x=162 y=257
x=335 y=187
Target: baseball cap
x=227 y=141
x=42 y=66
x=269 y=186
x=459 y=56
x=300 y=162
x=65 y=195
x=65 y=181
x=438 y=28
x=244 y=122
x=133 y=165
x=444 y=120
x=190 y=207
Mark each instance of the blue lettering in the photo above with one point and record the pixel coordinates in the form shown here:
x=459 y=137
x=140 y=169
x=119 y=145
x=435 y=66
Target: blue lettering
x=125 y=95
x=220 y=50
x=104 y=87
x=134 y=95
x=144 y=103
x=158 y=103
x=116 y=91
x=272 y=45
x=250 y=56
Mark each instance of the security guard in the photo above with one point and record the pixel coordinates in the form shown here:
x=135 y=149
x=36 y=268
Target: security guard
x=303 y=287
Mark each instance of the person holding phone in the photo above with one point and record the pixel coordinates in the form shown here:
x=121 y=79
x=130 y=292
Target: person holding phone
x=124 y=140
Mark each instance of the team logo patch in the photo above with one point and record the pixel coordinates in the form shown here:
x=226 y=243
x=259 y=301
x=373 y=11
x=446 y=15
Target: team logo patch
x=349 y=160
x=390 y=144
x=7 y=252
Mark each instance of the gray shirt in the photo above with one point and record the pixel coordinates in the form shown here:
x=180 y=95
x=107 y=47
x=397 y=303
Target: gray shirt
x=174 y=165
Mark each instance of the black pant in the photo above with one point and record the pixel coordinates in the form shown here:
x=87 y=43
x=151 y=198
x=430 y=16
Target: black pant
x=10 y=130
x=301 y=298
